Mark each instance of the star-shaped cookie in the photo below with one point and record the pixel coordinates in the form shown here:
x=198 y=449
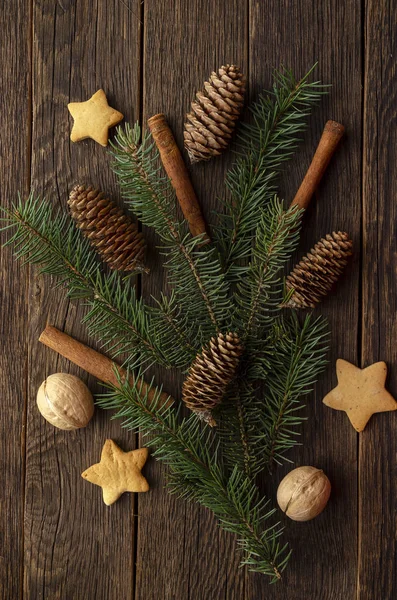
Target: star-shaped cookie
x=93 y=119
x=118 y=472
x=360 y=392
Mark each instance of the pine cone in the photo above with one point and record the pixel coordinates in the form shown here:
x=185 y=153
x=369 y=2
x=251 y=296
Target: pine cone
x=210 y=374
x=313 y=277
x=210 y=124
x=112 y=233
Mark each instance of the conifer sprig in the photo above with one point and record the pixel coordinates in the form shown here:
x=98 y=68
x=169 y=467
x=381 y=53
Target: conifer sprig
x=258 y=295
x=266 y=418
x=238 y=418
x=116 y=317
x=178 y=333
x=197 y=473
x=295 y=360
x=258 y=302
x=195 y=270
x=278 y=120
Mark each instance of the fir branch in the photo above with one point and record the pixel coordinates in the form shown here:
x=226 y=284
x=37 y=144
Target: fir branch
x=116 y=317
x=178 y=334
x=260 y=295
x=294 y=362
x=237 y=418
x=147 y=191
x=278 y=119
x=196 y=473
x=265 y=419
x=192 y=267
x=243 y=436
x=208 y=278
x=258 y=300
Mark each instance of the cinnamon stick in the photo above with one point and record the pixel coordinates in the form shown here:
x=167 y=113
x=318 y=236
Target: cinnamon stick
x=92 y=361
x=178 y=174
x=332 y=134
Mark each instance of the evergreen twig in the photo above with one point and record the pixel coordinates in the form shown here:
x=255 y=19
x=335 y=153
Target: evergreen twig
x=278 y=120
x=196 y=473
x=295 y=360
x=258 y=296
x=116 y=317
x=258 y=300
x=193 y=267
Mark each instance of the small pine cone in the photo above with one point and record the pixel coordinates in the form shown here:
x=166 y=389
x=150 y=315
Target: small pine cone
x=112 y=233
x=210 y=374
x=313 y=277
x=210 y=124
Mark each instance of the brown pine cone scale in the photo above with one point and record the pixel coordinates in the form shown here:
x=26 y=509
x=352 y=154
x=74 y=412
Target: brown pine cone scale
x=214 y=112
x=112 y=233
x=313 y=277
x=210 y=374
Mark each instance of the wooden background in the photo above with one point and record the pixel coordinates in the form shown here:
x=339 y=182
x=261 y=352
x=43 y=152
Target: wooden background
x=57 y=538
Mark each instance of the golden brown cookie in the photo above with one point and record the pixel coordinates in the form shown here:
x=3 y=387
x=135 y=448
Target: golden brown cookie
x=118 y=472
x=360 y=392
x=93 y=119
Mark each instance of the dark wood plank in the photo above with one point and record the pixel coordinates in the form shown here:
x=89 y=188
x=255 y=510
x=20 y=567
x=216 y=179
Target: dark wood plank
x=378 y=443
x=76 y=547
x=296 y=34
x=15 y=173
x=181 y=552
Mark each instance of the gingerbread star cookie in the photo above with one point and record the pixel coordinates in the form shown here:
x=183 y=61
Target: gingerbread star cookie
x=93 y=119
x=118 y=472
x=360 y=392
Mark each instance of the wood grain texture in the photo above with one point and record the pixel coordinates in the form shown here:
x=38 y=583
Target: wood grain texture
x=75 y=546
x=377 y=576
x=57 y=538
x=15 y=174
x=297 y=34
x=182 y=554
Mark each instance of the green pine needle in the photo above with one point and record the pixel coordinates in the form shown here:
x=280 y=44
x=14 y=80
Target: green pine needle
x=194 y=269
x=122 y=323
x=278 y=121
x=196 y=473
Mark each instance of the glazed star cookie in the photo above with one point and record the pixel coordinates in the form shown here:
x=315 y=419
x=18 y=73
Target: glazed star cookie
x=93 y=119
x=118 y=472
x=360 y=392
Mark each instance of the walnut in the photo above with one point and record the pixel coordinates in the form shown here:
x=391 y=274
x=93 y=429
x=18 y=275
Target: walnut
x=65 y=401
x=303 y=493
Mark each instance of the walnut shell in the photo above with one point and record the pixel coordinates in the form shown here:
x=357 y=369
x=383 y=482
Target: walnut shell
x=303 y=493
x=65 y=401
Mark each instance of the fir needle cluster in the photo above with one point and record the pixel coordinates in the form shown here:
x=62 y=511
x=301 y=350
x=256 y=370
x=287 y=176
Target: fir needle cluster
x=234 y=285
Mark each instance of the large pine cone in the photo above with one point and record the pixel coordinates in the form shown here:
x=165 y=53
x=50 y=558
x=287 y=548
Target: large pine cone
x=210 y=124
x=113 y=234
x=313 y=277
x=210 y=374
